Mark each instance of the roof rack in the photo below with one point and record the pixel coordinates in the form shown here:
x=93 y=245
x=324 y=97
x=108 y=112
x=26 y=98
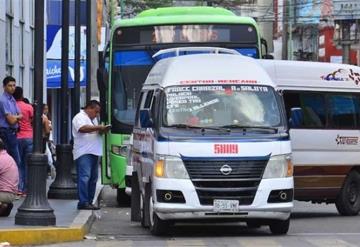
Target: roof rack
x=177 y=51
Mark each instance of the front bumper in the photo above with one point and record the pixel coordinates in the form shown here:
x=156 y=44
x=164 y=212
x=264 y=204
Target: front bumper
x=192 y=209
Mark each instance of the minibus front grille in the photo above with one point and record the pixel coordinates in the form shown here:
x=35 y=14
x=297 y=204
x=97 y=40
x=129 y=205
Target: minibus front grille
x=213 y=182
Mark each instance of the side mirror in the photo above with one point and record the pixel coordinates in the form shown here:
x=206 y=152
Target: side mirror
x=296 y=117
x=268 y=56
x=102 y=93
x=145 y=119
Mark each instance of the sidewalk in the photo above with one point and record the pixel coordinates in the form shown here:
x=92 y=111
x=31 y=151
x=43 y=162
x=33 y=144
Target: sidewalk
x=71 y=224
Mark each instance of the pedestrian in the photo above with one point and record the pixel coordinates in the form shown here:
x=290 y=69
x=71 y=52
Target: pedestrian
x=9 y=179
x=24 y=136
x=10 y=116
x=87 y=151
x=47 y=140
x=46 y=126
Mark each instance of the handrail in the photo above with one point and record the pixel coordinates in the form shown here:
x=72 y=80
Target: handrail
x=215 y=50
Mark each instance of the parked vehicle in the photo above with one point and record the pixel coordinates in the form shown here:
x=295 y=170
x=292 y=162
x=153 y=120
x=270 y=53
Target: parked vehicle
x=323 y=101
x=210 y=142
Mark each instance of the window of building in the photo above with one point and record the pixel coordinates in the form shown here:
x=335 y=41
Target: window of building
x=31 y=12
x=9 y=7
x=9 y=44
x=20 y=81
x=21 y=44
x=21 y=10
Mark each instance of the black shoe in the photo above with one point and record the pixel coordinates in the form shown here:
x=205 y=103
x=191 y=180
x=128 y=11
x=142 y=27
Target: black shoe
x=85 y=207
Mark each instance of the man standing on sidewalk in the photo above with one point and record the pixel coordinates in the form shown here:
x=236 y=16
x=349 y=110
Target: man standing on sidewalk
x=87 y=150
x=9 y=178
x=10 y=116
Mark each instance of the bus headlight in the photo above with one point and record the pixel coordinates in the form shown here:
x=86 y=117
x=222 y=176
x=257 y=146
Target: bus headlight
x=170 y=167
x=279 y=166
x=120 y=150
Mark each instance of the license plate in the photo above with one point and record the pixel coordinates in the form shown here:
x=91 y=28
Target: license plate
x=226 y=205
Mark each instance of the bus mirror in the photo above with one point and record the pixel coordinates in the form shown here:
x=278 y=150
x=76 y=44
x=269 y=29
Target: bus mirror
x=145 y=118
x=268 y=56
x=296 y=117
x=101 y=79
x=102 y=93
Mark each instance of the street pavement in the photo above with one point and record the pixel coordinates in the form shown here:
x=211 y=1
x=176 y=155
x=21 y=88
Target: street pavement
x=312 y=225
x=71 y=224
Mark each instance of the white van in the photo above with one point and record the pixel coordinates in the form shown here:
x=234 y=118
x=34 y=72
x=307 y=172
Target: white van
x=323 y=101
x=210 y=142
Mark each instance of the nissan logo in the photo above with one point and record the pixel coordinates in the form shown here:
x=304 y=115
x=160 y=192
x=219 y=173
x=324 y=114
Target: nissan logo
x=226 y=170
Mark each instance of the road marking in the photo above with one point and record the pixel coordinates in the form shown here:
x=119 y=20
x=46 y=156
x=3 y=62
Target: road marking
x=325 y=234
x=266 y=242
x=125 y=243
x=329 y=242
x=196 y=242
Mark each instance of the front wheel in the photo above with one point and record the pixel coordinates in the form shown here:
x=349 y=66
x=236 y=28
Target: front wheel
x=157 y=225
x=279 y=227
x=348 y=200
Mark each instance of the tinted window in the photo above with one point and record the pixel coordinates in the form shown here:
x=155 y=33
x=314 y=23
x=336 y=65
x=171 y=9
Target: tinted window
x=344 y=111
x=236 y=33
x=325 y=110
x=312 y=105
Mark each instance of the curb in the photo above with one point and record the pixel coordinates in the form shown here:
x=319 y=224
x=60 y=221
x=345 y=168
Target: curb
x=29 y=235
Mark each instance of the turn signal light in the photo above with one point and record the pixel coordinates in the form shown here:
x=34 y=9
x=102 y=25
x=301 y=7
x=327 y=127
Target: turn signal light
x=159 y=168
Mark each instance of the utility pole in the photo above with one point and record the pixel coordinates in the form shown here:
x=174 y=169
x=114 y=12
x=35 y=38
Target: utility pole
x=35 y=210
x=63 y=187
x=88 y=49
x=285 y=29
x=345 y=41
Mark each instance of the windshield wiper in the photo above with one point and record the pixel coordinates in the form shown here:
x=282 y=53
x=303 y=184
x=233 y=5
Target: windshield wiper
x=203 y=128
x=250 y=127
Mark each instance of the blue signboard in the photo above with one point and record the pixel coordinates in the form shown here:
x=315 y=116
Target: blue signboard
x=53 y=73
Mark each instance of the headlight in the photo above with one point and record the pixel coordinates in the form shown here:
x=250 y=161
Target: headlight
x=279 y=166
x=120 y=150
x=170 y=167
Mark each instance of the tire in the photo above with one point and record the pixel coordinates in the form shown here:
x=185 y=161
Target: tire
x=145 y=216
x=158 y=226
x=279 y=227
x=122 y=198
x=348 y=200
x=135 y=198
x=253 y=224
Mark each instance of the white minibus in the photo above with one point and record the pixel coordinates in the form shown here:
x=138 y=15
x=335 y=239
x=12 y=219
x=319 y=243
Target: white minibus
x=210 y=142
x=323 y=103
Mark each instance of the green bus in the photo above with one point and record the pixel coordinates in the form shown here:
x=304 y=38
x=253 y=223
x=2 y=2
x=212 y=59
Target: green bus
x=128 y=59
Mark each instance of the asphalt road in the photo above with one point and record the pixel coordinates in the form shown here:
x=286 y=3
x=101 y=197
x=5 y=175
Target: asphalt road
x=311 y=225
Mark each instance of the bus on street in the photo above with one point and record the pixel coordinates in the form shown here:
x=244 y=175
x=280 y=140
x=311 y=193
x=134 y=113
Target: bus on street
x=128 y=60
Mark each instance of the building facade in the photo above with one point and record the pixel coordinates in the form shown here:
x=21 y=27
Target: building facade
x=16 y=49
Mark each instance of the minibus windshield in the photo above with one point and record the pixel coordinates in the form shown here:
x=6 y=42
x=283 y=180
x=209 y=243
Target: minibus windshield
x=230 y=106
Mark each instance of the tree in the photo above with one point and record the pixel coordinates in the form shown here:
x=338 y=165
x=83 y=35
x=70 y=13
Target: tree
x=134 y=7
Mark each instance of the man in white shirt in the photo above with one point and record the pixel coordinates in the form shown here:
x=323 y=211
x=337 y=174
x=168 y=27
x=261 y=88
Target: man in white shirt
x=87 y=150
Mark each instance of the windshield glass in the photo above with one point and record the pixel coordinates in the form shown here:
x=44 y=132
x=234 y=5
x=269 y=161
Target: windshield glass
x=221 y=105
x=130 y=69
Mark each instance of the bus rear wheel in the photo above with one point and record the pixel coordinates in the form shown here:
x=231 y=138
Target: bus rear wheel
x=122 y=198
x=348 y=200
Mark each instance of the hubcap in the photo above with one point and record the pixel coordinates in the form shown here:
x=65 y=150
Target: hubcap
x=353 y=192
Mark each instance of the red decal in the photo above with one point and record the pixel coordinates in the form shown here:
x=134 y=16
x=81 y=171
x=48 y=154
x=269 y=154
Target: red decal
x=226 y=148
